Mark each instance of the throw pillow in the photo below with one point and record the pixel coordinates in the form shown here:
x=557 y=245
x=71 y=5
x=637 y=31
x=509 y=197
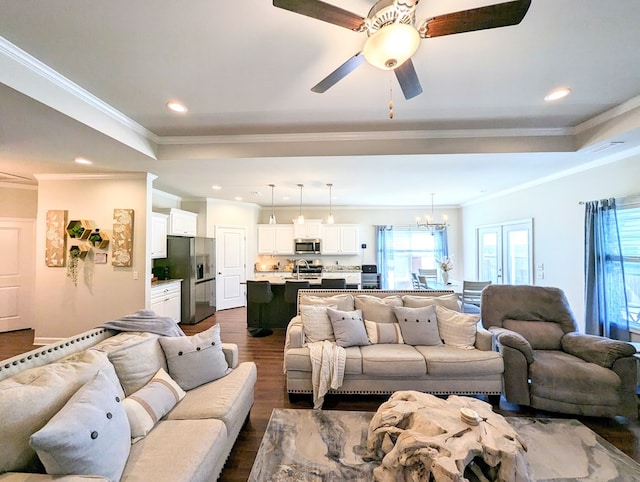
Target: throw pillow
x=195 y=360
x=152 y=402
x=419 y=326
x=342 y=302
x=383 y=332
x=137 y=362
x=89 y=435
x=457 y=329
x=378 y=309
x=451 y=301
x=348 y=327
x=316 y=323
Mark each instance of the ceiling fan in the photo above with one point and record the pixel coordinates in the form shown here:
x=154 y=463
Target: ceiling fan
x=394 y=35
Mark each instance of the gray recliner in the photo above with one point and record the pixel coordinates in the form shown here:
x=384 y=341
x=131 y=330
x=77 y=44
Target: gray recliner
x=548 y=365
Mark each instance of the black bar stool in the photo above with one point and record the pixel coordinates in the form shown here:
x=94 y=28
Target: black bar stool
x=259 y=293
x=333 y=283
x=291 y=291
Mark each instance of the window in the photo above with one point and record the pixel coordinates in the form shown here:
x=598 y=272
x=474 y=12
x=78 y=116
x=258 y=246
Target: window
x=402 y=251
x=629 y=228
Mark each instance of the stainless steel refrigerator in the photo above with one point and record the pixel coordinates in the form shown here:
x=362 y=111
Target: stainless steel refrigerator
x=193 y=261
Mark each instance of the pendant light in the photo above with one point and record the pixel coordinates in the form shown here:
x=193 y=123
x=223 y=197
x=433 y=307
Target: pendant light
x=300 y=216
x=330 y=219
x=272 y=218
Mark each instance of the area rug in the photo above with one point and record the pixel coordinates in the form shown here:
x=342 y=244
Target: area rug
x=327 y=445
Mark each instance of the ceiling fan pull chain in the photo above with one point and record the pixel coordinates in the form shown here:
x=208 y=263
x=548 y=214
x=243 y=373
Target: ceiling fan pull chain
x=390 y=99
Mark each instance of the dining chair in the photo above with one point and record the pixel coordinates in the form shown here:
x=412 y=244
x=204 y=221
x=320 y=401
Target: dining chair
x=422 y=283
x=415 y=282
x=430 y=274
x=471 y=295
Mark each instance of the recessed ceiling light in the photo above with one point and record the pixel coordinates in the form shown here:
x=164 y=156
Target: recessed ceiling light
x=556 y=94
x=238 y=198
x=216 y=187
x=82 y=160
x=177 y=107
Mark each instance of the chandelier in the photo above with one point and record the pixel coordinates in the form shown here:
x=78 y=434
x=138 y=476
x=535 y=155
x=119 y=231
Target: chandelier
x=429 y=222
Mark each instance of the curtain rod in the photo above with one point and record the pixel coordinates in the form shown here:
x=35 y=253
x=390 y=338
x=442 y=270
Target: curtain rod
x=630 y=199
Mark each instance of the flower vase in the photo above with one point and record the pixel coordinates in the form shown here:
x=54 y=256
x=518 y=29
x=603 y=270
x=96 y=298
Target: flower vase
x=445 y=277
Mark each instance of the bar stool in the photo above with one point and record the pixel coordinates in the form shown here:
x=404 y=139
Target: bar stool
x=291 y=291
x=333 y=283
x=259 y=293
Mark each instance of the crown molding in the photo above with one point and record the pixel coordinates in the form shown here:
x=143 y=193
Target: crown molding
x=608 y=115
x=95 y=176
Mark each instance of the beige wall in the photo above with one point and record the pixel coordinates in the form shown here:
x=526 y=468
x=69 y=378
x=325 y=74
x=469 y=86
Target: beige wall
x=18 y=201
x=103 y=292
x=558 y=222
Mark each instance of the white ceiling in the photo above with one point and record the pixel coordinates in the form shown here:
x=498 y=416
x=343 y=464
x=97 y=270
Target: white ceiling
x=92 y=79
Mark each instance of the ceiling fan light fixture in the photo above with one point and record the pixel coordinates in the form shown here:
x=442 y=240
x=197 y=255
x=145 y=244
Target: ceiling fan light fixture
x=391 y=46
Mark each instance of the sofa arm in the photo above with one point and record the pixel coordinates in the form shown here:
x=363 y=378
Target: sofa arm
x=596 y=349
x=230 y=351
x=294 y=337
x=513 y=340
x=484 y=339
x=28 y=477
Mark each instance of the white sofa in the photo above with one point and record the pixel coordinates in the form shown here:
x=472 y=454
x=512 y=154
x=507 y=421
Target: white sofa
x=383 y=368
x=189 y=443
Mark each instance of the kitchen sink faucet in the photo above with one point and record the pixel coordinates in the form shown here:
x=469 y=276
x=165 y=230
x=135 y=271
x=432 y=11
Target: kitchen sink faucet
x=297 y=263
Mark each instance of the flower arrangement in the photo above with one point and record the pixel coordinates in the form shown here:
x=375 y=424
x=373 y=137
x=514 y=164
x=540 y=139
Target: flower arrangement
x=446 y=264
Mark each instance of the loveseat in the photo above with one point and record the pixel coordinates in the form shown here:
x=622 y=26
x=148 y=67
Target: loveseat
x=405 y=346
x=129 y=406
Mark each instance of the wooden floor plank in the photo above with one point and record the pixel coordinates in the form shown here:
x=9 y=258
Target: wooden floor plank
x=270 y=392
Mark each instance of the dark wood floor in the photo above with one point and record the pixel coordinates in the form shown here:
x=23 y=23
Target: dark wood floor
x=270 y=392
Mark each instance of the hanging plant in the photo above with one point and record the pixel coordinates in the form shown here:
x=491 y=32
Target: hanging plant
x=76 y=253
x=72 y=266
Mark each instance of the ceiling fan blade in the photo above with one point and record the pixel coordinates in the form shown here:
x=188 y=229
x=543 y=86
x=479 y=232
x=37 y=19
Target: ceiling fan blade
x=322 y=11
x=491 y=16
x=339 y=74
x=408 y=79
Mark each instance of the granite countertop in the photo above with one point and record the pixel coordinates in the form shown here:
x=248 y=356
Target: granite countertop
x=161 y=282
x=274 y=280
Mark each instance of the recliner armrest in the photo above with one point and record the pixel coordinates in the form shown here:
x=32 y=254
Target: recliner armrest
x=513 y=340
x=596 y=349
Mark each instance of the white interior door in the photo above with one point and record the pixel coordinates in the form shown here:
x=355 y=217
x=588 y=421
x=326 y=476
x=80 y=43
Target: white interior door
x=230 y=267
x=505 y=253
x=17 y=274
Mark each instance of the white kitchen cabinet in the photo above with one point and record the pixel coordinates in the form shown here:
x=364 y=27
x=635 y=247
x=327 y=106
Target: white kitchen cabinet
x=182 y=223
x=166 y=299
x=158 y=235
x=340 y=239
x=275 y=239
x=310 y=229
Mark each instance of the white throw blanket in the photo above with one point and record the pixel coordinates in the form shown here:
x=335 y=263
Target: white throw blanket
x=327 y=368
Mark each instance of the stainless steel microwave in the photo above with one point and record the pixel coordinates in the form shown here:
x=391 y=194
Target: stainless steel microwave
x=307 y=246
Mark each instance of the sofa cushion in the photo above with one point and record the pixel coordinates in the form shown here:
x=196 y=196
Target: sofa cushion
x=137 y=362
x=316 y=323
x=177 y=450
x=378 y=309
x=222 y=399
x=342 y=302
x=419 y=326
x=299 y=359
x=457 y=329
x=30 y=398
x=451 y=301
x=197 y=359
x=348 y=327
x=542 y=335
x=556 y=375
x=152 y=402
x=89 y=435
x=448 y=361
x=383 y=332
x=392 y=361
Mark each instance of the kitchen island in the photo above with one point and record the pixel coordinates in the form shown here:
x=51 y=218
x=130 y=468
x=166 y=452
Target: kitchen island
x=277 y=313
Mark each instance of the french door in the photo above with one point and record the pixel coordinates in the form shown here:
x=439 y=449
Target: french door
x=505 y=253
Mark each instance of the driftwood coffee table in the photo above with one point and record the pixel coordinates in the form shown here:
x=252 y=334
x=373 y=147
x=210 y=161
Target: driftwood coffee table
x=421 y=437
